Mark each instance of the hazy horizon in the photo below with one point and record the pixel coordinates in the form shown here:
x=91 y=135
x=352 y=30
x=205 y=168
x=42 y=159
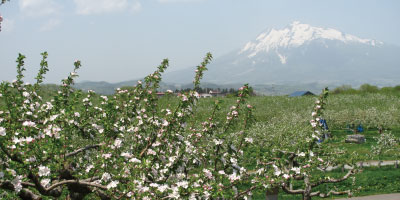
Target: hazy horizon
x=120 y=40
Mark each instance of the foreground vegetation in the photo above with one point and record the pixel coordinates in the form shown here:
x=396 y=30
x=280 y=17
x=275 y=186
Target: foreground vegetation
x=134 y=145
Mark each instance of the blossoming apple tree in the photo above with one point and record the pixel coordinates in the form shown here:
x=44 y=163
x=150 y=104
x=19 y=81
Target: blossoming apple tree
x=128 y=146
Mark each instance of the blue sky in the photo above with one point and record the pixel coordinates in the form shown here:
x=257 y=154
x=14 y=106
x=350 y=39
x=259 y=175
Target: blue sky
x=119 y=40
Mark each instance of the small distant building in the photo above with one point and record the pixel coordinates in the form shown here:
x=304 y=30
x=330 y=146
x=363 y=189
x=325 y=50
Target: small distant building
x=205 y=95
x=160 y=94
x=216 y=93
x=301 y=93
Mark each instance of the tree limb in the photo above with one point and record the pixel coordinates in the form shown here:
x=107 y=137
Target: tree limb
x=349 y=173
x=82 y=149
x=289 y=191
x=83 y=183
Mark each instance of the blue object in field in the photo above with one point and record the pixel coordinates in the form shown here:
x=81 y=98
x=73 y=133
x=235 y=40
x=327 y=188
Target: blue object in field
x=324 y=124
x=360 y=129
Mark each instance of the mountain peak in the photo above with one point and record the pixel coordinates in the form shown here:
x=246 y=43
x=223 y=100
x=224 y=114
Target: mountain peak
x=297 y=34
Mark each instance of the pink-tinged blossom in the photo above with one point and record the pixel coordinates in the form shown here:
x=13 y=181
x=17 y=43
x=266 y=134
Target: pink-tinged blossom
x=2 y=131
x=16 y=182
x=235 y=113
x=45 y=182
x=106 y=156
x=208 y=173
x=286 y=176
x=151 y=152
x=249 y=140
x=162 y=188
x=234 y=177
x=44 y=171
x=165 y=123
x=29 y=139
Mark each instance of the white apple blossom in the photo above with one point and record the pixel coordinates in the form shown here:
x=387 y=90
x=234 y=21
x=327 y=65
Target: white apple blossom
x=29 y=124
x=44 y=171
x=2 y=131
x=135 y=160
x=296 y=170
x=183 y=184
x=117 y=143
x=106 y=177
x=217 y=142
x=88 y=168
x=112 y=184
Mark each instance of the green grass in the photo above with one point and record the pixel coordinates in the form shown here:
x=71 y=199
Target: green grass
x=371 y=181
x=364 y=149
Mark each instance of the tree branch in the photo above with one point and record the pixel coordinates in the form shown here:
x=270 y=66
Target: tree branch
x=24 y=194
x=82 y=149
x=289 y=191
x=244 y=192
x=83 y=183
x=349 y=173
x=332 y=192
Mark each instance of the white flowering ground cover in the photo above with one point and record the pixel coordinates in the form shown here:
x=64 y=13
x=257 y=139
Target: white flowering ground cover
x=134 y=145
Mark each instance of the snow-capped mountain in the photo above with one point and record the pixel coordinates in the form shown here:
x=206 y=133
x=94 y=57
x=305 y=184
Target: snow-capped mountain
x=303 y=54
x=296 y=35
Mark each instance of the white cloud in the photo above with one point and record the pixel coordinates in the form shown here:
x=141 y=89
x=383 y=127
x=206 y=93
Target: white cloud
x=87 y=7
x=7 y=25
x=35 y=8
x=178 y=1
x=50 y=25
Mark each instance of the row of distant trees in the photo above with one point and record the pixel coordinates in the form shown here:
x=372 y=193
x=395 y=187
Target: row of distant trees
x=224 y=91
x=365 y=88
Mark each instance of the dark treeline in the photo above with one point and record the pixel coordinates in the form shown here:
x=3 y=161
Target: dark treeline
x=365 y=88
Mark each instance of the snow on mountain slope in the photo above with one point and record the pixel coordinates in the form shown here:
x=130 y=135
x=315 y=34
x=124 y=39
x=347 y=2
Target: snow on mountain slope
x=296 y=35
